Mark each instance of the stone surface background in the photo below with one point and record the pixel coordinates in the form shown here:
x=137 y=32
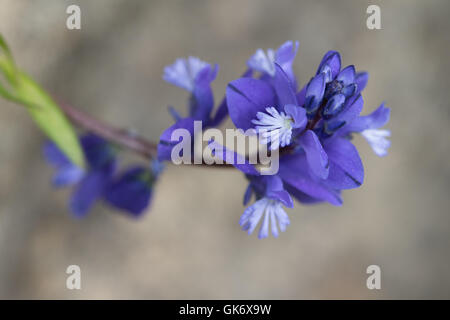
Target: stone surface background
x=189 y=244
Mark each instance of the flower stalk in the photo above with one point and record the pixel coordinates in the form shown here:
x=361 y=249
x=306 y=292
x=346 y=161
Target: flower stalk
x=121 y=137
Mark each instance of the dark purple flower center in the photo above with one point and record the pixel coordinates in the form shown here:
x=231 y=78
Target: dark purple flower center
x=332 y=88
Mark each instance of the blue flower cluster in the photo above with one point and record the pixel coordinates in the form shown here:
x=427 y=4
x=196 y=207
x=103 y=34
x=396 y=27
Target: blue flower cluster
x=130 y=190
x=311 y=128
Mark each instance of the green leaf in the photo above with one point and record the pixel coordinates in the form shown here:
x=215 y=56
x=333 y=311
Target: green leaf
x=21 y=89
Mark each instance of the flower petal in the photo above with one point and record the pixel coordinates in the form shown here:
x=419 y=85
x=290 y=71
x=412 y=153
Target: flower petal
x=314 y=93
x=295 y=173
x=298 y=114
x=333 y=60
x=248 y=194
x=283 y=87
x=54 y=155
x=334 y=105
x=131 y=191
x=377 y=139
x=286 y=53
x=202 y=102
x=301 y=196
x=96 y=150
x=206 y=74
x=315 y=155
x=352 y=108
x=262 y=61
x=166 y=144
x=361 y=79
x=183 y=72
x=285 y=56
x=222 y=110
x=67 y=175
x=375 y=120
x=245 y=98
x=264 y=229
x=275 y=190
x=346 y=168
x=90 y=189
x=347 y=75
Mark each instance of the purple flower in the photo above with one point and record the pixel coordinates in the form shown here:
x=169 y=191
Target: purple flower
x=369 y=126
x=90 y=184
x=195 y=76
x=66 y=173
x=270 y=199
x=311 y=128
x=132 y=190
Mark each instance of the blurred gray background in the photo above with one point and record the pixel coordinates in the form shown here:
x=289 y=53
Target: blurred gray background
x=189 y=244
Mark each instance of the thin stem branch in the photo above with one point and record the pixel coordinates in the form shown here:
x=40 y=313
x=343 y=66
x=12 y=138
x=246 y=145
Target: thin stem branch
x=118 y=136
x=121 y=137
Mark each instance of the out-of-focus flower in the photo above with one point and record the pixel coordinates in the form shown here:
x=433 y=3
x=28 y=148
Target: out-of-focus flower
x=90 y=184
x=311 y=128
x=132 y=191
